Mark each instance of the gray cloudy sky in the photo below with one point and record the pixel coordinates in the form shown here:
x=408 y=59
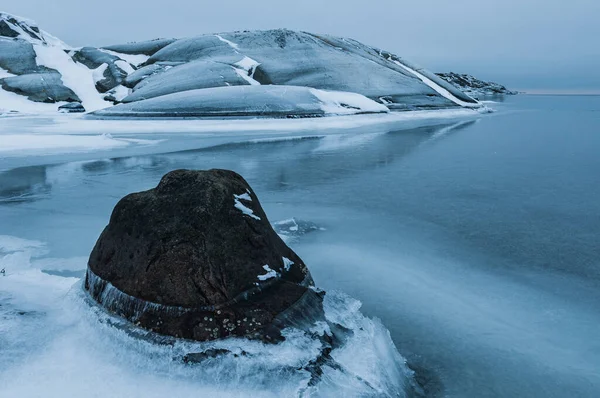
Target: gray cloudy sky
x=526 y=44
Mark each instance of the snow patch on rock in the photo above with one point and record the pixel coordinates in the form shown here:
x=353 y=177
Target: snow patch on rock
x=270 y=273
x=246 y=68
x=439 y=89
x=240 y=206
x=287 y=263
x=133 y=59
x=229 y=42
x=344 y=103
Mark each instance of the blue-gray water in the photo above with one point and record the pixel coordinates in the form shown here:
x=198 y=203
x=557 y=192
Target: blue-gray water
x=476 y=243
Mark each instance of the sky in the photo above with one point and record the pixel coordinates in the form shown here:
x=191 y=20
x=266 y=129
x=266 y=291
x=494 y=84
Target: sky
x=533 y=45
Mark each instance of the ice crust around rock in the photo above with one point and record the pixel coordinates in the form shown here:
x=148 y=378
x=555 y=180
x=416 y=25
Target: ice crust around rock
x=161 y=67
x=82 y=347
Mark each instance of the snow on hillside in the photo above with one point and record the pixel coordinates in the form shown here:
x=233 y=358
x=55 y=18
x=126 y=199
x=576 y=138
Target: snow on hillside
x=334 y=76
x=76 y=76
x=26 y=29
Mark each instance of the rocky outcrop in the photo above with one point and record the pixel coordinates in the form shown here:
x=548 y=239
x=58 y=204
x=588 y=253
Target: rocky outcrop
x=112 y=67
x=71 y=107
x=475 y=87
x=148 y=47
x=196 y=258
x=136 y=72
x=39 y=87
x=15 y=27
x=189 y=76
x=284 y=57
x=135 y=78
x=17 y=56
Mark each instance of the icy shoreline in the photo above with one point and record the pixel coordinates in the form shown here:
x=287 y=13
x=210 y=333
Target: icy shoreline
x=37 y=139
x=50 y=330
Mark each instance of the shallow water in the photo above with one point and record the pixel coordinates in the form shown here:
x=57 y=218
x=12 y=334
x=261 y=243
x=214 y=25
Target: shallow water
x=477 y=242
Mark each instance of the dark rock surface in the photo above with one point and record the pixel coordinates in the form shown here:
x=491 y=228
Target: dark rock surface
x=196 y=258
x=72 y=107
x=475 y=87
x=39 y=87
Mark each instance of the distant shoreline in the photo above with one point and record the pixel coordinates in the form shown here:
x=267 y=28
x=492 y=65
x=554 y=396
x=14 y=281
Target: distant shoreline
x=560 y=93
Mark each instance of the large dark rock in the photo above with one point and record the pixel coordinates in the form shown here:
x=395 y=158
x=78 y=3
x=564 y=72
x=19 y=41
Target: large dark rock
x=196 y=257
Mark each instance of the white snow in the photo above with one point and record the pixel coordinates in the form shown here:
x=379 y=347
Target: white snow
x=244 y=75
x=120 y=92
x=240 y=206
x=76 y=76
x=344 y=103
x=98 y=73
x=4 y=73
x=287 y=263
x=231 y=44
x=47 y=37
x=133 y=59
x=270 y=273
x=247 y=64
x=439 y=89
x=125 y=66
x=247 y=67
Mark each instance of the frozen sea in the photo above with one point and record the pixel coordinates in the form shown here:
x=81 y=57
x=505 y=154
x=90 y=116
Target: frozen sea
x=475 y=239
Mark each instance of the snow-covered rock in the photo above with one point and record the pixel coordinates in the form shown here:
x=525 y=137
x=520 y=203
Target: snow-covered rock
x=143 y=47
x=284 y=57
x=38 y=66
x=114 y=69
x=248 y=101
x=475 y=87
x=71 y=107
x=39 y=87
x=17 y=56
x=189 y=76
x=12 y=26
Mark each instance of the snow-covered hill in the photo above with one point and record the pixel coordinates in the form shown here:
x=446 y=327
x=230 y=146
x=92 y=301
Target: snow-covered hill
x=39 y=73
